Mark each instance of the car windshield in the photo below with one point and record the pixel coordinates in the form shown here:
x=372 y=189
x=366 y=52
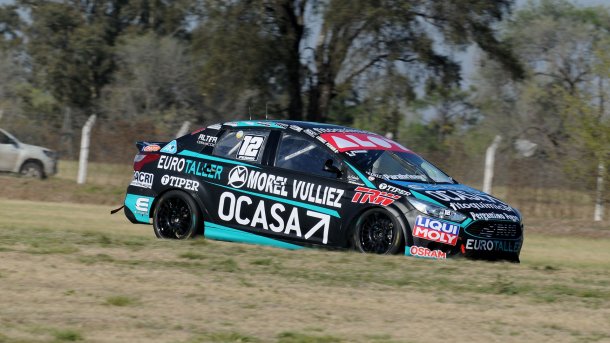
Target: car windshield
x=398 y=166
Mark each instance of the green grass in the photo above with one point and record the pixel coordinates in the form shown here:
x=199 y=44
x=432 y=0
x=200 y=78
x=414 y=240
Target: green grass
x=67 y=335
x=120 y=301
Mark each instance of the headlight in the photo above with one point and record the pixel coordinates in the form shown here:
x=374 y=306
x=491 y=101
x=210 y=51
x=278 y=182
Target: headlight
x=138 y=158
x=436 y=211
x=49 y=153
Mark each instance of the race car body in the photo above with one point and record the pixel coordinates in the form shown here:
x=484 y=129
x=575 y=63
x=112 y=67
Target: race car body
x=298 y=184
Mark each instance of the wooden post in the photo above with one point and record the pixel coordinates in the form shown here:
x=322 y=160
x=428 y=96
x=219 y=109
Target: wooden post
x=598 y=215
x=490 y=156
x=84 y=150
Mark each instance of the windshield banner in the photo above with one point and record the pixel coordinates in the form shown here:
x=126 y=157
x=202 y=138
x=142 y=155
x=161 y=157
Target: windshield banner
x=347 y=141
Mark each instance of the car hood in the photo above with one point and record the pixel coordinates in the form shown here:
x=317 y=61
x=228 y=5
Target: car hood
x=32 y=148
x=471 y=202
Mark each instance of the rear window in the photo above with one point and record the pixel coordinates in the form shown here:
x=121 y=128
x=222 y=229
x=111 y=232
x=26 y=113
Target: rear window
x=246 y=145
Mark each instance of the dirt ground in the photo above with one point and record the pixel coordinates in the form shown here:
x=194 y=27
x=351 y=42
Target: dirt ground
x=72 y=272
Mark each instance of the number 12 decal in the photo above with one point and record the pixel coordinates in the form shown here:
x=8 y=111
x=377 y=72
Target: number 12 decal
x=250 y=147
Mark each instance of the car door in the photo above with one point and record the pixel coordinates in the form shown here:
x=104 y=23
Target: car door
x=319 y=196
x=9 y=153
x=242 y=199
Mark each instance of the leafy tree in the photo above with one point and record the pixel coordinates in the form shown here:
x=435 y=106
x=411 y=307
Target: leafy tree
x=10 y=25
x=156 y=78
x=312 y=51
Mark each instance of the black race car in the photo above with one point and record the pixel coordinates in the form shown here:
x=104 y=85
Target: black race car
x=298 y=184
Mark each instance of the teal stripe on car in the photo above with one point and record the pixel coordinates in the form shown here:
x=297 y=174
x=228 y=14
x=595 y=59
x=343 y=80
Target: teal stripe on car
x=366 y=181
x=466 y=222
x=425 y=198
x=265 y=124
x=224 y=233
x=140 y=206
x=214 y=158
x=286 y=201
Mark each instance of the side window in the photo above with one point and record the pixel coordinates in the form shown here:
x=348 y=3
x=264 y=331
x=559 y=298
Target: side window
x=247 y=145
x=4 y=139
x=303 y=155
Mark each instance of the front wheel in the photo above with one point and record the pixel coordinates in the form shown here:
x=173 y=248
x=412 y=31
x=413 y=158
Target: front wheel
x=176 y=216
x=32 y=169
x=377 y=231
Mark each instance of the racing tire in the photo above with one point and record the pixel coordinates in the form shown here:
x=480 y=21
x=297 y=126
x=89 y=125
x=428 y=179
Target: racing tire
x=377 y=231
x=176 y=216
x=32 y=169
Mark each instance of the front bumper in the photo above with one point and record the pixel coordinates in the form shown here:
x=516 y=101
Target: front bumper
x=484 y=240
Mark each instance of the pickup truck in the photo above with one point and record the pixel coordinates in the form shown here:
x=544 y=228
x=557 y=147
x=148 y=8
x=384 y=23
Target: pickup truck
x=25 y=159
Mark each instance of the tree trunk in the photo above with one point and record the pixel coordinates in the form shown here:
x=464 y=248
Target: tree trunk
x=292 y=28
x=320 y=95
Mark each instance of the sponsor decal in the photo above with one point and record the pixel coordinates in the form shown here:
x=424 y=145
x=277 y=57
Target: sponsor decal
x=425 y=252
x=390 y=188
x=184 y=165
x=206 y=140
x=139 y=206
x=142 y=179
x=238 y=176
x=462 y=200
x=197 y=131
x=436 y=230
x=400 y=177
x=494 y=216
x=273 y=216
x=151 y=148
x=215 y=127
x=142 y=205
x=337 y=130
x=492 y=245
x=353 y=179
x=296 y=128
x=310 y=133
x=231 y=123
x=365 y=195
x=170 y=148
x=361 y=141
x=179 y=182
x=241 y=176
x=250 y=147
x=282 y=125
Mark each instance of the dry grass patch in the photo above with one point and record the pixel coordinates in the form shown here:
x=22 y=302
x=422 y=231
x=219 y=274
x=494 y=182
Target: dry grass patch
x=115 y=282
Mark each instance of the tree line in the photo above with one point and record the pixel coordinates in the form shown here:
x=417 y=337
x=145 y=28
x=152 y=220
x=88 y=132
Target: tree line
x=541 y=73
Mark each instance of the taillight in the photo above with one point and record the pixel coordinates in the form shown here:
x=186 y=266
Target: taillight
x=140 y=160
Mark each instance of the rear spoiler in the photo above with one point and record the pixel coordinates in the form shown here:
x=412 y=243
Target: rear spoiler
x=150 y=146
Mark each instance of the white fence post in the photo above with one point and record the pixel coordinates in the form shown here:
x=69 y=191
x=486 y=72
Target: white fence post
x=84 y=150
x=598 y=216
x=490 y=156
x=183 y=129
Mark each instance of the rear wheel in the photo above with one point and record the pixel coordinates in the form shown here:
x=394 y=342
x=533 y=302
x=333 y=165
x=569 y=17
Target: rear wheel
x=32 y=169
x=377 y=231
x=176 y=216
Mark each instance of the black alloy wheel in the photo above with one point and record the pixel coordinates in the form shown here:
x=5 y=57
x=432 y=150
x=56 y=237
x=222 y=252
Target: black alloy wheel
x=176 y=216
x=377 y=232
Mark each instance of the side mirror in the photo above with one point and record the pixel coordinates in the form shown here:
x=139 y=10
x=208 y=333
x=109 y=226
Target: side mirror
x=13 y=142
x=329 y=167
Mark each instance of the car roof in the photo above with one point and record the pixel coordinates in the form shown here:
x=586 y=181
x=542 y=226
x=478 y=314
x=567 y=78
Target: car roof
x=285 y=123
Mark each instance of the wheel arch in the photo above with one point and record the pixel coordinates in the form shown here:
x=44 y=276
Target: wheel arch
x=402 y=221
x=35 y=161
x=194 y=195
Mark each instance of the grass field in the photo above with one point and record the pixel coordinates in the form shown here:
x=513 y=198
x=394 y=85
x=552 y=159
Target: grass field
x=74 y=273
